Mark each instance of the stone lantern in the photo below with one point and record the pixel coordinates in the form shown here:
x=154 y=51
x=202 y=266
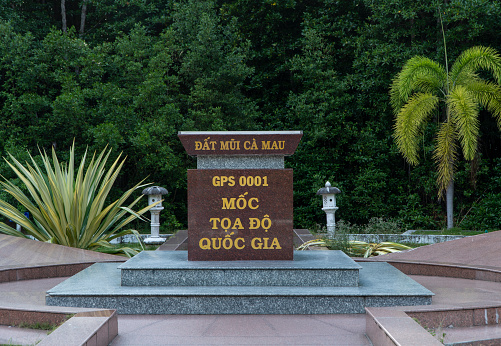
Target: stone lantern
x=154 y=194
x=329 y=206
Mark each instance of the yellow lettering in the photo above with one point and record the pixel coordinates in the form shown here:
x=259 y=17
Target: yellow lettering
x=224 y=179
x=214 y=221
x=198 y=145
x=250 y=203
x=227 y=243
x=237 y=224
x=216 y=181
x=254 y=145
x=214 y=243
x=241 y=202
x=236 y=243
x=265 y=246
x=228 y=204
x=254 y=223
x=274 y=146
x=247 y=145
x=265 y=145
x=226 y=223
x=204 y=244
x=266 y=223
x=257 y=246
x=224 y=145
x=275 y=244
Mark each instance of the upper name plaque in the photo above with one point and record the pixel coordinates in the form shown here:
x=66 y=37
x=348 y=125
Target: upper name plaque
x=243 y=143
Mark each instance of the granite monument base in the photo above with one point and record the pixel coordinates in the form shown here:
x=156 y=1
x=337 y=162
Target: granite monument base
x=165 y=282
x=158 y=268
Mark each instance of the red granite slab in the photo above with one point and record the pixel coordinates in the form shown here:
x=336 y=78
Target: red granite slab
x=241 y=143
x=243 y=214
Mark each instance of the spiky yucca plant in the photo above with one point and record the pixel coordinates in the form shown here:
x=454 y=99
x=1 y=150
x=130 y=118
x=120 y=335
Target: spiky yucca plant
x=67 y=207
x=359 y=248
x=417 y=93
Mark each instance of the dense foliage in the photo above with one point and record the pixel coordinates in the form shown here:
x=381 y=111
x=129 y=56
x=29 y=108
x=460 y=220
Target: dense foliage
x=139 y=71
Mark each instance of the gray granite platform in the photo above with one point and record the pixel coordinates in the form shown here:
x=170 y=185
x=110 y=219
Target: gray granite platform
x=380 y=284
x=241 y=162
x=172 y=268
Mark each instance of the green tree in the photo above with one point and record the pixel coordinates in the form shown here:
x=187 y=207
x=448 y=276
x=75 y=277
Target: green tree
x=419 y=90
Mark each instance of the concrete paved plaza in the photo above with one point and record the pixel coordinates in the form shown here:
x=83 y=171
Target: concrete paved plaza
x=343 y=329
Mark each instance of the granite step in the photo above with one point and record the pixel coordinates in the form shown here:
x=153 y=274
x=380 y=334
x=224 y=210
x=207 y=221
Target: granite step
x=172 y=268
x=380 y=284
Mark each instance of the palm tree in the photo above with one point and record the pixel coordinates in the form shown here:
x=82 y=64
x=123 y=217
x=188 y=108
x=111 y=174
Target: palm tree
x=423 y=86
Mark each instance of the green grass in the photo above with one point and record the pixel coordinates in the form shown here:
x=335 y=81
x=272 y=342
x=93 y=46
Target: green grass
x=49 y=327
x=39 y=325
x=413 y=245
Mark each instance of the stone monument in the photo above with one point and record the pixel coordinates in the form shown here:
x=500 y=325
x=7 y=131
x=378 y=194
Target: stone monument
x=240 y=258
x=240 y=195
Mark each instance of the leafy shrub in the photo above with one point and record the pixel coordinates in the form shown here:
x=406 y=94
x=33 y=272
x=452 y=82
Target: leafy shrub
x=68 y=206
x=484 y=215
x=379 y=225
x=376 y=225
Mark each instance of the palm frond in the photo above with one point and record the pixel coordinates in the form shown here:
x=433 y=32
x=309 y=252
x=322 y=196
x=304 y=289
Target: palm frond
x=445 y=155
x=477 y=58
x=488 y=95
x=464 y=113
x=410 y=121
x=494 y=107
x=419 y=74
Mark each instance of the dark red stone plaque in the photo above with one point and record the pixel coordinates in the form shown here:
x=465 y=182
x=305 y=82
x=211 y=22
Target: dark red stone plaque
x=241 y=143
x=240 y=214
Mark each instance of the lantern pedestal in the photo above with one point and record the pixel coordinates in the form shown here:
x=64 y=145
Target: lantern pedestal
x=155 y=238
x=154 y=194
x=328 y=194
x=331 y=221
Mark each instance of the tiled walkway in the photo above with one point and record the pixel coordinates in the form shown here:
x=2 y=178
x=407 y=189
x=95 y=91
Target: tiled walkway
x=253 y=330
x=242 y=330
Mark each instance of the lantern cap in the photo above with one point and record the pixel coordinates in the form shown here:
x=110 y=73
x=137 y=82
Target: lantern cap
x=155 y=190
x=328 y=190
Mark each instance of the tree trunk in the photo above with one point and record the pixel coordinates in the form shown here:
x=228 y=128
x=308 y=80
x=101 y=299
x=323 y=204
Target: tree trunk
x=63 y=15
x=450 y=204
x=82 y=17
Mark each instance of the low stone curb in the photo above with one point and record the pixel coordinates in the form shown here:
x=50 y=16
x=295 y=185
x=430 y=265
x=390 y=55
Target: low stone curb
x=392 y=327
x=42 y=272
x=403 y=238
x=447 y=270
x=396 y=325
x=87 y=327
x=97 y=328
